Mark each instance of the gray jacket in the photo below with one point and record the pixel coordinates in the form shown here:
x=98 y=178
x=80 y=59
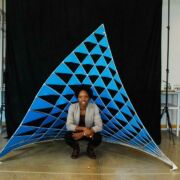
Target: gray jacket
x=92 y=117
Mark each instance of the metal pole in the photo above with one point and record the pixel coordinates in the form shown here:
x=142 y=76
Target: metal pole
x=166 y=109
x=2 y=108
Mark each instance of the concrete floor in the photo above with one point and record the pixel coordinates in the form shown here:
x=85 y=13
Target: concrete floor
x=51 y=160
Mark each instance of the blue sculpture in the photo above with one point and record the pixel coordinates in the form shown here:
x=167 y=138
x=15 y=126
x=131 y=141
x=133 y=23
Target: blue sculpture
x=90 y=64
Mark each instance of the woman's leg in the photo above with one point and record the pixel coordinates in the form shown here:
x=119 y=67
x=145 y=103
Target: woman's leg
x=72 y=143
x=93 y=143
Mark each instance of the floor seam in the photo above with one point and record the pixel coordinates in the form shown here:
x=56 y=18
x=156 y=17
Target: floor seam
x=109 y=174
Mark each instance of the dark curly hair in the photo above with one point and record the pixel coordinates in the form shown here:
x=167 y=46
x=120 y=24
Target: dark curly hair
x=85 y=88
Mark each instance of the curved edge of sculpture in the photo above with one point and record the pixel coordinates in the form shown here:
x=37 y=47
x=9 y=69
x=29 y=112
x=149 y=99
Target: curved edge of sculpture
x=91 y=64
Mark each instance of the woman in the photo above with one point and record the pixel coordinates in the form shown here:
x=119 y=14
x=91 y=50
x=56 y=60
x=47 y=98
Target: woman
x=83 y=122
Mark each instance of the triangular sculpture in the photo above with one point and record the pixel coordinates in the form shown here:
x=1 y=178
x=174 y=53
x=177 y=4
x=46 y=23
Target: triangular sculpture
x=91 y=64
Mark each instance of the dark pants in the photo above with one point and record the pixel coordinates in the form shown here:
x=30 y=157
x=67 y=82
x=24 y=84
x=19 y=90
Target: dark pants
x=93 y=142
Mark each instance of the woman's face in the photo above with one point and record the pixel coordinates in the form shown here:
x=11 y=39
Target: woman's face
x=83 y=98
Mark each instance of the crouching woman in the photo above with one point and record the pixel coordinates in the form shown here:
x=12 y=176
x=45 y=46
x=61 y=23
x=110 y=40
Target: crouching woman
x=83 y=122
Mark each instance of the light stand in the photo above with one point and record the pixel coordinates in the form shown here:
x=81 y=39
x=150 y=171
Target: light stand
x=166 y=109
x=2 y=107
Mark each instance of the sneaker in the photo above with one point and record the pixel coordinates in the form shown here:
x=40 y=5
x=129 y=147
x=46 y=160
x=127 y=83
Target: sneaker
x=75 y=153
x=91 y=153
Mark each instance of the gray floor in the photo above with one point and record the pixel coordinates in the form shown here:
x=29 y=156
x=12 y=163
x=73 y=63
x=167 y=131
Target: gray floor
x=51 y=160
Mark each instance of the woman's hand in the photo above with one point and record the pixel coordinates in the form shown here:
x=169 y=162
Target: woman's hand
x=77 y=135
x=88 y=132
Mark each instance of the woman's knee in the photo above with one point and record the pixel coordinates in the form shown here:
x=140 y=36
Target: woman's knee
x=97 y=137
x=68 y=135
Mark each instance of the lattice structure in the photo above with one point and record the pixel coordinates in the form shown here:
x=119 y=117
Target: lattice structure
x=90 y=64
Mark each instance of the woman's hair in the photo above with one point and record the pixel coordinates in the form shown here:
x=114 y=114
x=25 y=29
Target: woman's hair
x=85 y=88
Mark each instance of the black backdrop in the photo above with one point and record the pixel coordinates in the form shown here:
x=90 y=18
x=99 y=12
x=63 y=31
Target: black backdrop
x=40 y=34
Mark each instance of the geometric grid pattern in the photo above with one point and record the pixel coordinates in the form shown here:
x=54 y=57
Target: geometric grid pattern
x=92 y=65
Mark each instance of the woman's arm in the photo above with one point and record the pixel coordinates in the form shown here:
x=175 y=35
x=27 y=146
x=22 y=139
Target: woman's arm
x=70 y=119
x=97 y=121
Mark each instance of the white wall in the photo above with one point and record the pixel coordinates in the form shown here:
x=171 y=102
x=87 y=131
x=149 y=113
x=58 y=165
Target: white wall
x=174 y=52
x=174 y=46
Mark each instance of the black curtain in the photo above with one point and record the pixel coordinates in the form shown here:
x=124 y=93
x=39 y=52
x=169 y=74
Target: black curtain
x=40 y=34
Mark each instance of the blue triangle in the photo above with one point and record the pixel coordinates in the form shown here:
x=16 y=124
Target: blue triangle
x=100 y=29
x=121 y=117
x=62 y=68
x=154 y=147
x=72 y=58
x=88 y=60
x=96 y=50
x=16 y=140
x=74 y=81
x=80 y=70
x=116 y=77
x=74 y=99
x=106 y=111
x=94 y=91
x=99 y=82
x=111 y=125
x=126 y=110
x=125 y=131
x=100 y=102
x=58 y=123
x=132 y=142
x=112 y=105
x=121 y=134
x=55 y=110
x=143 y=133
x=67 y=107
x=67 y=91
x=118 y=97
x=48 y=120
x=55 y=80
x=106 y=94
x=104 y=117
x=108 y=53
x=137 y=119
x=40 y=103
x=112 y=66
x=63 y=115
x=93 y=72
x=32 y=115
x=122 y=91
x=46 y=90
x=35 y=136
x=51 y=133
x=112 y=85
x=129 y=127
x=87 y=81
x=134 y=123
x=81 y=49
x=24 y=129
x=61 y=101
x=41 y=130
x=130 y=106
x=101 y=62
x=106 y=73
x=91 y=39
x=104 y=42
x=116 y=122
